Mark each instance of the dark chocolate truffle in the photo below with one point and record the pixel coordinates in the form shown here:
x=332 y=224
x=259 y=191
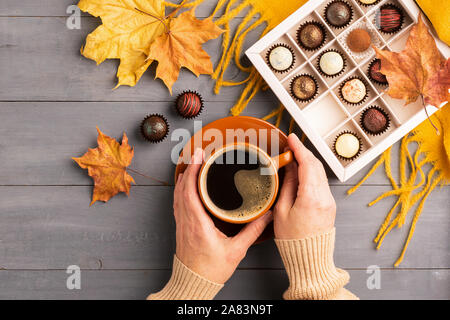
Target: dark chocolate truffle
x=280 y=58
x=338 y=14
x=389 y=18
x=359 y=40
x=154 y=128
x=311 y=35
x=189 y=104
x=303 y=87
x=347 y=145
x=374 y=120
x=375 y=74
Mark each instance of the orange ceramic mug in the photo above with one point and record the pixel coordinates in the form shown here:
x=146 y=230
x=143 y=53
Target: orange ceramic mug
x=253 y=206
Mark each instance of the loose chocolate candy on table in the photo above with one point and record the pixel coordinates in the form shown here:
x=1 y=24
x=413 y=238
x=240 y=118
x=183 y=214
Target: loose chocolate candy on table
x=189 y=104
x=154 y=128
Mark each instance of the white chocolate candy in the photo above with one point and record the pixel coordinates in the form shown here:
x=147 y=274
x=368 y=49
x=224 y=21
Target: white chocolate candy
x=368 y=1
x=354 y=91
x=347 y=145
x=281 y=58
x=331 y=63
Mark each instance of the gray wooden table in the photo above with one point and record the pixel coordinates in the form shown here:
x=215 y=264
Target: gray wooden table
x=51 y=100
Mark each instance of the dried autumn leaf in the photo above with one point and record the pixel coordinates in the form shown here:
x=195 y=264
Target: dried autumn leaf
x=412 y=72
x=441 y=79
x=107 y=166
x=128 y=29
x=181 y=46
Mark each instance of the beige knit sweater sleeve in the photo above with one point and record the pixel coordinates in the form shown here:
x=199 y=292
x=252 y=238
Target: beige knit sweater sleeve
x=310 y=267
x=308 y=262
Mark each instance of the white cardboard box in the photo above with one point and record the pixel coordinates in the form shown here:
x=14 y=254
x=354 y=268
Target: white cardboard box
x=323 y=118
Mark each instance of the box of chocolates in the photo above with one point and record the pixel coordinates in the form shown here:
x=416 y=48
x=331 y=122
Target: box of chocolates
x=321 y=65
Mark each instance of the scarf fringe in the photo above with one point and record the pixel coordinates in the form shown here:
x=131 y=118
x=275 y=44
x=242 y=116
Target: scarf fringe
x=409 y=192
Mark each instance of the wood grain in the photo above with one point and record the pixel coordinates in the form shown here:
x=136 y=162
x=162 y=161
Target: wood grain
x=43 y=60
x=51 y=100
x=53 y=227
x=44 y=136
x=245 y=284
x=57 y=8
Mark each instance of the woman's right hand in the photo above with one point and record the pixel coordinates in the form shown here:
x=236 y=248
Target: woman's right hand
x=305 y=206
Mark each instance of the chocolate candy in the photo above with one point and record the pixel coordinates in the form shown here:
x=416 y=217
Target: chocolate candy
x=374 y=120
x=331 y=63
x=304 y=87
x=338 y=14
x=280 y=58
x=375 y=74
x=154 y=128
x=347 y=146
x=311 y=35
x=359 y=40
x=368 y=2
x=389 y=19
x=189 y=104
x=354 y=91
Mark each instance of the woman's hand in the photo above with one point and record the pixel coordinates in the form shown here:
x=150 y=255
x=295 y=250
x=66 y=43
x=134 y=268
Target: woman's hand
x=305 y=206
x=200 y=245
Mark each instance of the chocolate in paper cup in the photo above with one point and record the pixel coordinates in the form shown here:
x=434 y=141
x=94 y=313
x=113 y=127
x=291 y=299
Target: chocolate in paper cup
x=318 y=24
x=326 y=74
x=341 y=96
x=386 y=127
x=268 y=58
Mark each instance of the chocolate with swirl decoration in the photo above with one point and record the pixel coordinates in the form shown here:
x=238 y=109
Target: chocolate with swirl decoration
x=189 y=104
x=389 y=18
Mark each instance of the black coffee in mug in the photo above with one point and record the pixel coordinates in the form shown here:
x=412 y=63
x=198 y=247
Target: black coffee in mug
x=238 y=185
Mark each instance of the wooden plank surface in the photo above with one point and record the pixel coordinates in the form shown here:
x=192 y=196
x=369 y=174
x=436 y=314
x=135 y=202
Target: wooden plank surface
x=245 y=284
x=51 y=100
x=43 y=60
x=53 y=227
x=57 y=8
x=54 y=132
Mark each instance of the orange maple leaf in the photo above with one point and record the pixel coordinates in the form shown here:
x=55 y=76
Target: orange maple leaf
x=107 y=166
x=412 y=72
x=181 y=46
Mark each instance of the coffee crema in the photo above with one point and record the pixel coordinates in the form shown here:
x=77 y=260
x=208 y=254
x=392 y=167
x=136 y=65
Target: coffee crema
x=238 y=185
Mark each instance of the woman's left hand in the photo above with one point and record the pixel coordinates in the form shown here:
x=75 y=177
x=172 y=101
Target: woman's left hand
x=200 y=245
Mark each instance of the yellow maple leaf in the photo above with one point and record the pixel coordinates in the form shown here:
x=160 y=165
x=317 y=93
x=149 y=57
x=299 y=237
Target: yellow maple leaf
x=107 y=166
x=128 y=29
x=181 y=46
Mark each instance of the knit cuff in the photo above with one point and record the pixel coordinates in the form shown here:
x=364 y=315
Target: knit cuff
x=185 y=284
x=310 y=267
